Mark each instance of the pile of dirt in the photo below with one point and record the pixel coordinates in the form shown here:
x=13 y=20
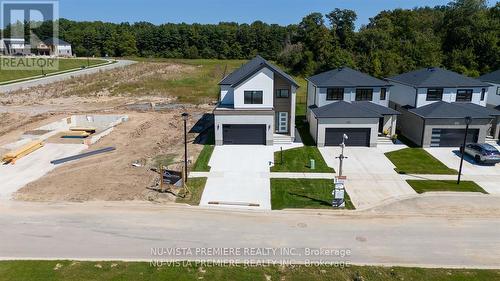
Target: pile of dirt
x=146 y=137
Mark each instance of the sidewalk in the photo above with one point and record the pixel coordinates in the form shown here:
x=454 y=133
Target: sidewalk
x=271 y=175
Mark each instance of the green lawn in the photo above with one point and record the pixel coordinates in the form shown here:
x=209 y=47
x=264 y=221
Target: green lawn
x=64 y=65
x=418 y=161
x=422 y=186
x=138 y=271
x=303 y=193
x=201 y=164
x=196 y=186
x=297 y=159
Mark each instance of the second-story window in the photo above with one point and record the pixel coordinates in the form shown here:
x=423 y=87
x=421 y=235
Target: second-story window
x=335 y=94
x=464 y=95
x=434 y=94
x=383 y=94
x=282 y=93
x=253 y=97
x=364 y=94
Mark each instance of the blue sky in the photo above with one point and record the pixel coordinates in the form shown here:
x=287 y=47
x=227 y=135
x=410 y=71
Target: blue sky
x=282 y=12
x=213 y=11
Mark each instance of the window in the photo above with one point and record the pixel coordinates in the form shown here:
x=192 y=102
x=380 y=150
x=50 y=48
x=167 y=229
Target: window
x=364 y=94
x=282 y=93
x=434 y=94
x=464 y=95
x=335 y=94
x=253 y=97
x=498 y=91
x=383 y=94
x=483 y=94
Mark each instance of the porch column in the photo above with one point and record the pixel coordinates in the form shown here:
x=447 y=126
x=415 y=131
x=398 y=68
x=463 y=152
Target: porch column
x=394 y=120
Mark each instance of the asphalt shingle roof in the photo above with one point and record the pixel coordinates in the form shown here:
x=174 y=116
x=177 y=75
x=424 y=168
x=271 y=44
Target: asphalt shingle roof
x=342 y=109
x=346 y=77
x=382 y=110
x=250 y=68
x=456 y=110
x=493 y=77
x=56 y=41
x=435 y=77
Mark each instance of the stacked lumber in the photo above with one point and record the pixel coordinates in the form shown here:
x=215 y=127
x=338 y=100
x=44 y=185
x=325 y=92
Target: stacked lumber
x=19 y=153
x=83 y=129
x=75 y=134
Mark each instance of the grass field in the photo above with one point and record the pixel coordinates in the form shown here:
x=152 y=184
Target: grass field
x=196 y=186
x=422 y=186
x=303 y=193
x=121 y=271
x=200 y=85
x=64 y=65
x=418 y=161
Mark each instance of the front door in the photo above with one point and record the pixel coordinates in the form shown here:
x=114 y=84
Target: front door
x=282 y=122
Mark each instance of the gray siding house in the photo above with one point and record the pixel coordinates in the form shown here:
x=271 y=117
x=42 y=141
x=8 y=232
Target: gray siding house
x=256 y=106
x=434 y=103
x=345 y=101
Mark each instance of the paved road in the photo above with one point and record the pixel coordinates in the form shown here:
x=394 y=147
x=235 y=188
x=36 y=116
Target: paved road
x=129 y=231
x=61 y=77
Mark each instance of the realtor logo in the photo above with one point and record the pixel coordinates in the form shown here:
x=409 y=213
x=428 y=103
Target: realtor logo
x=25 y=25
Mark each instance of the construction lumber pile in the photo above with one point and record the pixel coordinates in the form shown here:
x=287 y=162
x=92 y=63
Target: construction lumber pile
x=83 y=129
x=19 y=153
x=75 y=135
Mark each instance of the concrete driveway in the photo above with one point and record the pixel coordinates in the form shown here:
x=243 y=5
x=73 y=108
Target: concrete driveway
x=239 y=177
x=487 y=176
x=371 y=178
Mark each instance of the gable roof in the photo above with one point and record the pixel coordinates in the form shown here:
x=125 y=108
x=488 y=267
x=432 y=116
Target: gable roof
x=250 y=68
x=456 y=110
x=56 y=41
x=346 y=77
x=493 y=77
x=435 y=77
x=343 y=109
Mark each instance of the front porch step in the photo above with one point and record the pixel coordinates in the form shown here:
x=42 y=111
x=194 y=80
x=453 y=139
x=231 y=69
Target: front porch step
x=384 y=140
x=281 y=139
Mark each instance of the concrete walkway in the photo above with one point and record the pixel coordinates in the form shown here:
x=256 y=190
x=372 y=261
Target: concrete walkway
x=271 y=175
x=371 y=178
x=61 y=77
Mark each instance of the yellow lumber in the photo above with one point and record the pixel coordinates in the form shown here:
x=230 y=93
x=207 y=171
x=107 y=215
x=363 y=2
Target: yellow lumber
x=11 y=157
x=17 y=152
x=75 y=134
x=84 y=129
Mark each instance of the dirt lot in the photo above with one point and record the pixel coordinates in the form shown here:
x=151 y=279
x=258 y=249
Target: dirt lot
x=149 y=137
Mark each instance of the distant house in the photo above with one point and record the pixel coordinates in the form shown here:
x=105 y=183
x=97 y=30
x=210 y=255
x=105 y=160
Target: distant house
x=14 y=47
x=493 y=78
x=59 y=48
x=256 y=106
x=345 y=101
x=434 y=103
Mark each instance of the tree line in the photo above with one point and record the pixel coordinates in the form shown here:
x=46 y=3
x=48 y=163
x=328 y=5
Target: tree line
x=463 y=36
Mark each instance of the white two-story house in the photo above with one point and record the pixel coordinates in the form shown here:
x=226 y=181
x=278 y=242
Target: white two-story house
x=435 y=102
x=345 y=101
x=256 y=106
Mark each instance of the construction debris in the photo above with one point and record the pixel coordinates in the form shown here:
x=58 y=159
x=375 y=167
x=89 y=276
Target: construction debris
x=15 y=155
x=75 y=134
x=82 y=129
x=83 y=155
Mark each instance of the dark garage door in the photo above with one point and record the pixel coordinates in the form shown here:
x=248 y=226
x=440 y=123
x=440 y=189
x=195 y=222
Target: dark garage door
x=244 y=134
x=357 y=136
x=452 y=137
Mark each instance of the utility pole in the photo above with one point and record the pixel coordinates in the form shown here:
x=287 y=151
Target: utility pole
x=185 y=117
x=468 y=121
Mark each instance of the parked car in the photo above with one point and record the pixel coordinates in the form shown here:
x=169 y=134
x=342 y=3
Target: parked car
x=483 y=153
